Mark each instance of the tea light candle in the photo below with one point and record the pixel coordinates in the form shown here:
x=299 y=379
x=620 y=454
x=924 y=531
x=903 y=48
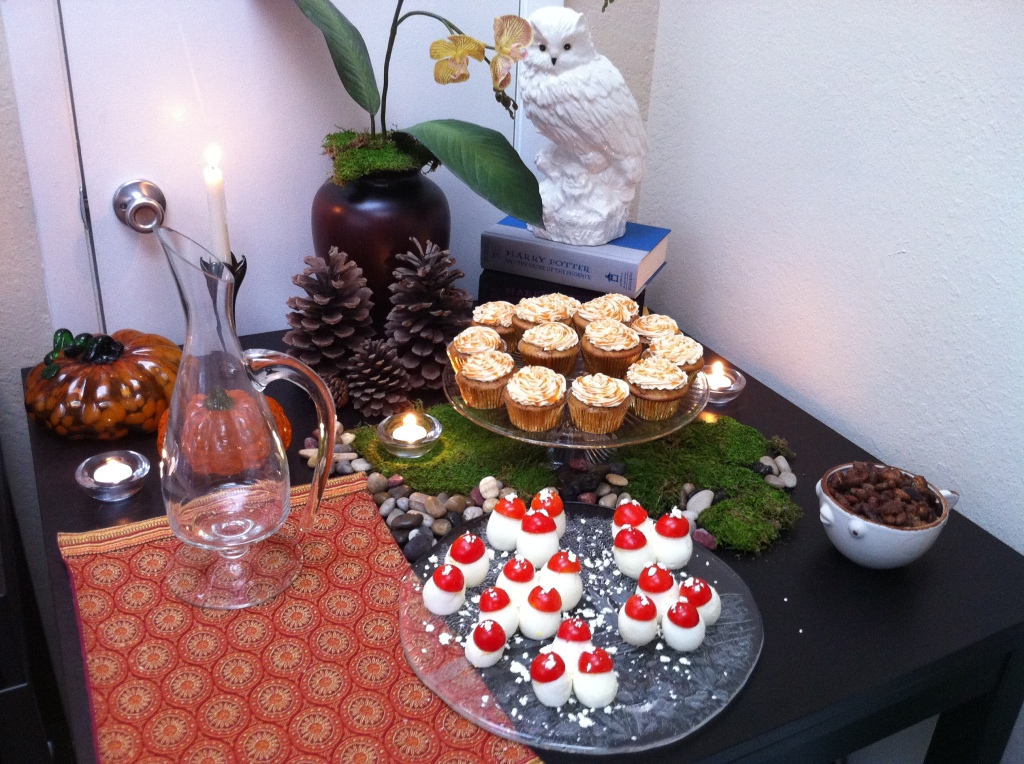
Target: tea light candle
x=717 y=379
x=409 y=431
x=113 y=470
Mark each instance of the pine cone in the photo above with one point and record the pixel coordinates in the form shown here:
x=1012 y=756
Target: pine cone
x=334 y=318
x=428 y=312
x=339 y=391
x=378 y=385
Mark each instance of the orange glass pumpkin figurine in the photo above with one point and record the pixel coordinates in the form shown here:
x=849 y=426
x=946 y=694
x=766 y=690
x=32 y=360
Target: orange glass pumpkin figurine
x=281 y=422
x=99 y=386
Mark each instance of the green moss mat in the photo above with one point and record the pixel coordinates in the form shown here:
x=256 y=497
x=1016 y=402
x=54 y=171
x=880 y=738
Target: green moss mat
x=709 y=455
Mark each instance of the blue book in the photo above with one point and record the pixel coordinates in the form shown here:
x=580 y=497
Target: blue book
x=625 y=265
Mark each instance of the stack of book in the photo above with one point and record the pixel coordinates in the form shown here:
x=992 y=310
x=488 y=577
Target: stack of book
x=518 y=264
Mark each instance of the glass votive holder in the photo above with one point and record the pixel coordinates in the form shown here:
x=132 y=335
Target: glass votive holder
x=724 y=383
x=409 y=435
x=112 y=476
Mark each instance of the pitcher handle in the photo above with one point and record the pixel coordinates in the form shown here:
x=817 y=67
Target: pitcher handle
x=266 y=366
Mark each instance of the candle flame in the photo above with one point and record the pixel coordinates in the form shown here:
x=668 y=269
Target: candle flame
x=718 y=369
x=409 y=419
x=213 y=155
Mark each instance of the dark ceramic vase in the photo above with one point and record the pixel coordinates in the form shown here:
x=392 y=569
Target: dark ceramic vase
x=373 y=219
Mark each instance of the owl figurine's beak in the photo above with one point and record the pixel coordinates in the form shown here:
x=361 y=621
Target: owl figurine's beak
x=554 y=59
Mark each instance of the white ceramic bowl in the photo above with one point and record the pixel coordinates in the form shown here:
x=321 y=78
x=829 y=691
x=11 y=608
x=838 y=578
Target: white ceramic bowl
x=873 y=544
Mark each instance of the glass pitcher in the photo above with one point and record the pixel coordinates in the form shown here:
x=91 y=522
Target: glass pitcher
x=223 y=469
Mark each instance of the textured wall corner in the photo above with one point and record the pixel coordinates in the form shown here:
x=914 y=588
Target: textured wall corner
x=25 y=319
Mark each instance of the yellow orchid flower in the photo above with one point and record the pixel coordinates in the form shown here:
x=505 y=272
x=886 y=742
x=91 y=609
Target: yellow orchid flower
x=452 y=56
x=512 y=36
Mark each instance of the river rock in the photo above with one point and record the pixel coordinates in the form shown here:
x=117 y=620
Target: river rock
x=393 y=516
x=622 y=498
x=406 y=521
x=418 y=547
x=376 y=483
x=380 y=498
x=475 y=497
x=490 y=487
x=347 y=438
x=402 y=537
x=608 y=500
x=774 y=481
x=395 y=480
x=400 y=491
x=427 y=519
x=434 y=507
x=617 y=468
x=767 y=461
x=361 y=465
x=441 y=527
x=489 y=505
x=403 y=503
x=388 y=506
x=616 y=480
x=788 y=479
x=472 y=513
x=783 y=464
x=345 y=468
x=456 y=504
x=686 y=491
x=603 y=490
x=588 y=497
x=705 y=538
x=701 y=500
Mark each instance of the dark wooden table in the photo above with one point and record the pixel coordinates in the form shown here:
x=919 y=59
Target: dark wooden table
x=850 y=655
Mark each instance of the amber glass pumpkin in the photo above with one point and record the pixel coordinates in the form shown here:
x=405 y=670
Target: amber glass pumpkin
x=281 y=421
x=123 y=387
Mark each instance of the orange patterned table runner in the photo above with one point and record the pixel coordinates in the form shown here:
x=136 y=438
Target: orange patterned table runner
x=315 y=675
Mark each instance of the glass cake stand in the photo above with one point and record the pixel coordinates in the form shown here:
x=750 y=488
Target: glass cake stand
x=565 y=436
x=663 y=695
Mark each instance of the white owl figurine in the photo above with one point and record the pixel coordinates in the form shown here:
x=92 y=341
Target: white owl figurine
x=579 y=101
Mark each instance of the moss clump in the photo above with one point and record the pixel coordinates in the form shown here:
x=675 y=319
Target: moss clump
x=356 y=155
x=466 y=454
x=716 y=456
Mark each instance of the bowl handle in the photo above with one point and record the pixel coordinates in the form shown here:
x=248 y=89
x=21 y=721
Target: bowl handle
x=857 y=528
x=952 y=497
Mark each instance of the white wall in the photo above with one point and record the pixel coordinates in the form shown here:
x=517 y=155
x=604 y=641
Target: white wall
x=845 y=182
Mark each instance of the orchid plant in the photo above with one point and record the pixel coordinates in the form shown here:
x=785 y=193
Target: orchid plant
x=482 y=158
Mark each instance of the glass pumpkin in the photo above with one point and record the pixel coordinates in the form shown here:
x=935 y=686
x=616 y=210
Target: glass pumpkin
x=103 y=387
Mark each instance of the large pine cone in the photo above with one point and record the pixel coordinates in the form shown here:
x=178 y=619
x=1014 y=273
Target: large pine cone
x=428 y=312
x=378 y=385
x=334 y=318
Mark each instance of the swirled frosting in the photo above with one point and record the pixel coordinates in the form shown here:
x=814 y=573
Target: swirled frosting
x=487 y=366
x=476 y=339
x=608 y=306
x=655 y=325
x=536 y=386
x=497 y=313
x=563 y=305
x=600 y=390
x=534 y=310
x=655 y=374
x=609 y=334
x=551 y=335
x=677 y=348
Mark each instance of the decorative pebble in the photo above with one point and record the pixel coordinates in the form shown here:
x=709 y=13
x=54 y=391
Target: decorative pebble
x=690 y=515
x=308 y=453
x=394 y=516
x=761 y=469
x=687 y=489
x=415 y=532
x=767 y=461
x=489 y=505
x=419 y=496
x=472 y=513
x=428 y=521
x=434 y=506
x=402 y=537
x=719 y=496
x=705 y=539
x=418 y=547
x=589 y=482
x=589 y=497
x=603 y=490
x=475 y=496
x=774 y=481
x=608 y=500
x=309 y=443
x=616 y=480
x=388 y=506
x=376 y=483
x=788 y=479
x=443 y=497
x=454 y=518
x=361 y=465
x=622 y=498
x=344 y=452
x=395 y=481
x=345 y=468
x=441 y=527
x=617 y=468
x=403 y=503
x=579 y=464
x=339 y=458
x=456 y=504
x=347 y=438
x=700 y=500
x=417 y=505
x=400 y=491
x=783 y=464
x=507 y=491
x=380 y=498
x=312 y=462
x=489 y=487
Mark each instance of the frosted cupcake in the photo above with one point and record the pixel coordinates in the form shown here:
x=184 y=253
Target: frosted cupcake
x=654 y=326
x=685 y=352
x=532 y=311
x=535 y=398
x=551 y=344
x=598 y=403
x=496 y=315
x=609 y=347
x=473 y=340
x=614 y=306
x=657 y=386
x=483 y=377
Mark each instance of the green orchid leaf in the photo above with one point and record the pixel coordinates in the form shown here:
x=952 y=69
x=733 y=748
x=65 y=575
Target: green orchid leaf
x=348 y=50
x=486 y=162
